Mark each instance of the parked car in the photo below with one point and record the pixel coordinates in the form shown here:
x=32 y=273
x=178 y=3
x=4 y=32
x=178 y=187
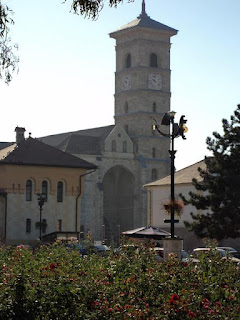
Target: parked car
x=227 y=249
x=77 y=246
x=235 y=254
x=101 y=248
x=160 y=252
x=198 y=252
x=224 y=254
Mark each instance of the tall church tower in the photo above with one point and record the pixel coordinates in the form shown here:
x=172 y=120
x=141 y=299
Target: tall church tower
x=142 y=89
x=127 y=154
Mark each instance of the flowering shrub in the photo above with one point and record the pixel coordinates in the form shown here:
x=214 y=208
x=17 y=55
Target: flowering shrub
x=51 y=282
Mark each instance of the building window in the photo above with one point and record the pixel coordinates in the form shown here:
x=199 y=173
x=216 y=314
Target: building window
x=29 y=190
x=126 y=107
x=126 y=128
x=125 y=146
x=128 y=61
x=28 y=225
x=45 y=189
x=154 y=174
x=154 y=107
x=154 y=152
x=113 y=145
x=59 y=225
x=153 y=60
x=60 y=191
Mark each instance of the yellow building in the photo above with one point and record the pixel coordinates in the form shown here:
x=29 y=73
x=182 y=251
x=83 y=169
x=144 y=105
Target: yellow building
x=30 y=168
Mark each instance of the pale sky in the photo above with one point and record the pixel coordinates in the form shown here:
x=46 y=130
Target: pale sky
x=67 y=64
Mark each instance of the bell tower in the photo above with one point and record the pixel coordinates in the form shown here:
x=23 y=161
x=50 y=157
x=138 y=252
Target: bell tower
x=142 y=87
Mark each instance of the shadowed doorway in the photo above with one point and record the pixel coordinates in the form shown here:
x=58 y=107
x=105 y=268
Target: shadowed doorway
x=118 y=203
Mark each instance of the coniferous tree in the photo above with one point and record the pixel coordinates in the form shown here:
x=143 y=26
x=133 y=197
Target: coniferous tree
x=218 y=195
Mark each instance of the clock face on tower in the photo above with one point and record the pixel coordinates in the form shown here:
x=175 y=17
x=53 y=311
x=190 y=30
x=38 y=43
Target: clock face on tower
x=126 y=82
x=155 y=81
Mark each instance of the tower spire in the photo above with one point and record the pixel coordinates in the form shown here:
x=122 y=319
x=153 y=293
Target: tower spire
x=143 y=13
x=143 y=7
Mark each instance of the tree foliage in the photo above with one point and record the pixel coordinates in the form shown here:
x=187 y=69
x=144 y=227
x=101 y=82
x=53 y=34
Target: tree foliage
x=92 y=8
x=218 y=195
x=8 y=59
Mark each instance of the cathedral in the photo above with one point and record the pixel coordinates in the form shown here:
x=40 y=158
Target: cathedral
x=127 y=153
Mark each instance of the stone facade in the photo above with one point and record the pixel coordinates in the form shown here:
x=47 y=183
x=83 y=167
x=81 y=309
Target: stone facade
x=128 y=154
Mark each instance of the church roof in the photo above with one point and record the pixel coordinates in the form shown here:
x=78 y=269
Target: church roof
x=35 y=153
x=88 y=141
x=143 y=20
x=58 y=139
x=183 y=176
x=77 y=144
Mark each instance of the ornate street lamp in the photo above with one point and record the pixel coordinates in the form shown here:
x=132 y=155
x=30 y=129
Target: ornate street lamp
x=41 y=200
x=176 y=130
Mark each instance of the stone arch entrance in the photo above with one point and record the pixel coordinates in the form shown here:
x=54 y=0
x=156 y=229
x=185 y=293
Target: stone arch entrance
x=118 y=202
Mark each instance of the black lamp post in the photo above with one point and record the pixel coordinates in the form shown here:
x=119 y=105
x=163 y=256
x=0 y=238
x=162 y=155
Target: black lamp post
x=41 y=200
x=176 y=130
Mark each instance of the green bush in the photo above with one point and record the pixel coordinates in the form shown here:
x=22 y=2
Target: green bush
x=51 y=282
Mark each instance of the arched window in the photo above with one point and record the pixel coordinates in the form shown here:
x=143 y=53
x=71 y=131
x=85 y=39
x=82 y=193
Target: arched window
x=28 y=225
x=153 y=60
x=126 y=107
x=154 y=174
x=29 y=190
x=125 y=146
x=113 y=145
x=45 y=189
x=59 y=191
x=154 y=106
x=154 y=152
x=59 y=225
x=128 y=61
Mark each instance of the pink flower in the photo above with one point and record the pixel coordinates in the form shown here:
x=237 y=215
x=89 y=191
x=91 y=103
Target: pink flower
x=174 y=298
x=20 y=246
x=191 y=314
x=52 y=266
x=218 y=304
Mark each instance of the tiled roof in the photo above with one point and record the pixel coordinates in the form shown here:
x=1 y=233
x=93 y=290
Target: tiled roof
x=183 y=176
x=58 y=139
x=4 y=145
x=34 y=152
x=143 y=20
x=76 y=144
